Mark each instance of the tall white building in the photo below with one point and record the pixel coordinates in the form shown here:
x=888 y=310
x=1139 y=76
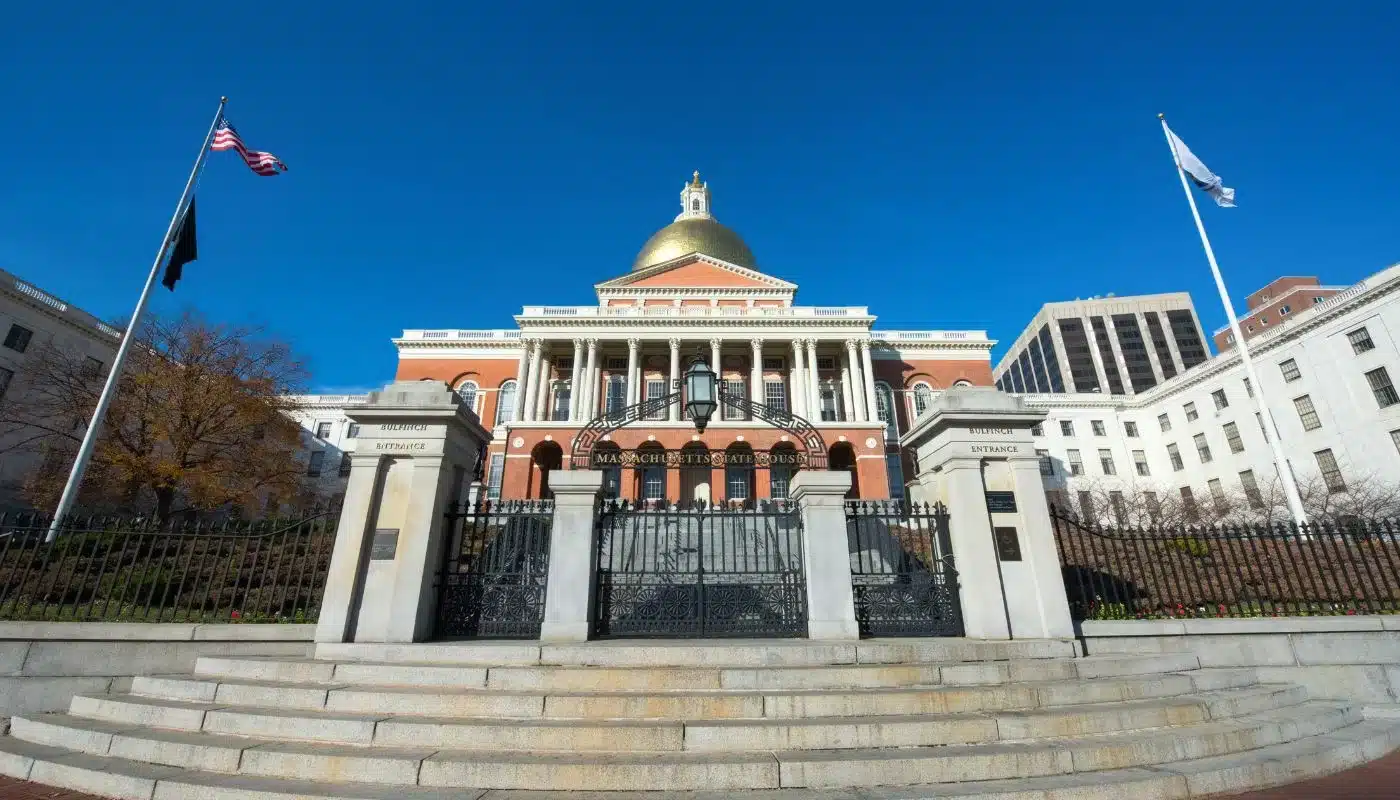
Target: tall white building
x=328 y=437
x=1328 y=371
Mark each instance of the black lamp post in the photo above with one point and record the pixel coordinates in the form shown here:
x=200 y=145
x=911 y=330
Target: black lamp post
x=701 y=397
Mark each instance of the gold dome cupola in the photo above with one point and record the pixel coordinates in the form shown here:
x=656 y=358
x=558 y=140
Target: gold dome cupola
x=695 y=230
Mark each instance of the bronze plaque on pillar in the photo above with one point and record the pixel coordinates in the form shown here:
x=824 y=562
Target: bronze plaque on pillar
x=385 y=544
x=1008 y=545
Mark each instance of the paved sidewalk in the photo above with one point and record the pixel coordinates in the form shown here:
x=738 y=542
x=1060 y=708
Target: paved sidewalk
x=1379 y=780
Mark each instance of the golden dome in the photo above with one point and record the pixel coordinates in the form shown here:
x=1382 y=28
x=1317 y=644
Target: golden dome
x=694 y=235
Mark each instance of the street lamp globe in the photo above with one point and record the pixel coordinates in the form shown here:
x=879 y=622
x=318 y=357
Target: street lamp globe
x=701 y=392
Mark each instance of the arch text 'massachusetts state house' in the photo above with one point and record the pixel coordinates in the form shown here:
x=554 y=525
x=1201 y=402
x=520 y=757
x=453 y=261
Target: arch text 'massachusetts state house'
x=695 y=290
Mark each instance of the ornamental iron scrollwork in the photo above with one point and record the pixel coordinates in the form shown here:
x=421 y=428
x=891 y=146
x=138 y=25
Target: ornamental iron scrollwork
x=805 y=434
x=902 y=571
x=493 y=579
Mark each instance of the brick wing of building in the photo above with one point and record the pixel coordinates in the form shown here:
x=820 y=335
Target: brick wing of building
x=695 y=288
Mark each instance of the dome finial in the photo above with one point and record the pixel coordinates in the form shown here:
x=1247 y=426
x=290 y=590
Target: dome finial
x=695 y=199
x=695 y=178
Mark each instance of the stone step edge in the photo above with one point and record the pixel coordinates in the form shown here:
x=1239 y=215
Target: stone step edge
x=403 y=766
x=1258 y=769
x=984 y=728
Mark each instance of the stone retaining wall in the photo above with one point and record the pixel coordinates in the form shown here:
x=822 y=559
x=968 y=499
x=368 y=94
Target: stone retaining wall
x=43 y=664
x=1336 y=658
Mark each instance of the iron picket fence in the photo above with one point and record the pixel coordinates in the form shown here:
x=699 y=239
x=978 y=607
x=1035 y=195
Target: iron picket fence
x=133 y=569
x=902 y=571
x=1319 y=569
x=493 y=581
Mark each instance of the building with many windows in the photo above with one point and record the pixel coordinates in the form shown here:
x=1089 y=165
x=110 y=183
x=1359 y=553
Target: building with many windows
x=695 y=288
x=1110 y=345
x=1329 y=371
x=1273 y=304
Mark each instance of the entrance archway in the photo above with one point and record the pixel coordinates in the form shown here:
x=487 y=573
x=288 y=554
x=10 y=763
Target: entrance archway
x=696 y=475
x=544 y=458
x=843 y=457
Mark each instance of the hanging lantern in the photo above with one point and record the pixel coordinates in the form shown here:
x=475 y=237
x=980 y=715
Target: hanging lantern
x=701 y=392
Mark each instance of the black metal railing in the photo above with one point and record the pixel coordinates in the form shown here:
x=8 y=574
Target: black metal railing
x=902 y=569
x=1229 y=570
x=700 y=571
x=135 y=570
x=493 y=580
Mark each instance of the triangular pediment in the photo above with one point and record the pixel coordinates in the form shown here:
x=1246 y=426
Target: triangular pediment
x=697 y=272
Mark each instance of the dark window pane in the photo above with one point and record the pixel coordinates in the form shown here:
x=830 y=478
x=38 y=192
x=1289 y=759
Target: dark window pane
x=1081 y=362
x=1134 y=349
x=1110 y=364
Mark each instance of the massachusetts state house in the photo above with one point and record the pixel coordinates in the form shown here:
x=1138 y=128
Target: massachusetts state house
x=696 y=290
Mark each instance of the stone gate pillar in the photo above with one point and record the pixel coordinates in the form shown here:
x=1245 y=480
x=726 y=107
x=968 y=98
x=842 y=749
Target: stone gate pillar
x=826 y=560
x=974 y=452
x=415 y=456
x=573 y=551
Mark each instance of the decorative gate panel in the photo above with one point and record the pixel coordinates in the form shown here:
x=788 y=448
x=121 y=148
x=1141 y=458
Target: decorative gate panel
x=700 y=571
x=902 y=569
x=494 y=578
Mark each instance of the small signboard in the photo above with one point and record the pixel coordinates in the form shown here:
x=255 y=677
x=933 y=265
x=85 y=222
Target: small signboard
x=1008 y=545
x=1001 y=502
x=386 y=543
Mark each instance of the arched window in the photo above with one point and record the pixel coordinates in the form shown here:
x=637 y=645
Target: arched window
x=962 y=383
x=884 y=408
x=923 y=398
x=468 y=391
x=694 y=204
x=505 y=403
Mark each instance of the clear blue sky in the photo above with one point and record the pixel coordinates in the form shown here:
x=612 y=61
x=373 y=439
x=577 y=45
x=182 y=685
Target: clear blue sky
x=950 y=165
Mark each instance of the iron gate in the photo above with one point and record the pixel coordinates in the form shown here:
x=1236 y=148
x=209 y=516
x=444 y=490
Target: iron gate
x=902 y=569
x=493 y=579
x=700 y=571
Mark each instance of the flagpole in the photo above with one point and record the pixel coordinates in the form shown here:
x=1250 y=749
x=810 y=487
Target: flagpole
x=75 y=476
x=1290 y=487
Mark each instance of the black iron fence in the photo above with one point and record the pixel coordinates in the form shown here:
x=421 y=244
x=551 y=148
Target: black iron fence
x=1230 y=570
x=133 y=569
x=493 y=580
x=700 y=571
x=902 y=569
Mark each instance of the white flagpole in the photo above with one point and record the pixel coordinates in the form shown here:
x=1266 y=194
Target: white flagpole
x=1290 y=487
x=75 y=477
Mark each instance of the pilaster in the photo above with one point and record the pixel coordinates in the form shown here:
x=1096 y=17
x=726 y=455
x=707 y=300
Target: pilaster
x=575 y=383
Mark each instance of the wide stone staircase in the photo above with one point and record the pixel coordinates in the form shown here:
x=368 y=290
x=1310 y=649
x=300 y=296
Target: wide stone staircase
x=888 y=719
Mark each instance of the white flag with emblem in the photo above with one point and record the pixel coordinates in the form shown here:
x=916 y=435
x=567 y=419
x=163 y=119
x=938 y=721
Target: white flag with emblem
x=1204 y=179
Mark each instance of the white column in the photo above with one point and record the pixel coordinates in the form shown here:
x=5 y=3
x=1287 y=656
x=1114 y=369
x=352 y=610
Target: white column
x=532 y=384
x=797 y=381
x=575 y=382
x=868 y=374
x=857 y=383
x=573 y=542
x=814 y=392
x=674 y=412
x=518 y=402
x=756 y=371
x=633 y=345
x=590 y=383
x=542 y=409
x=714 y=357
x=848 y=407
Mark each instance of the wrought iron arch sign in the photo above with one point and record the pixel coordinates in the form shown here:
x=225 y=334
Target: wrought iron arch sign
x=806 y=440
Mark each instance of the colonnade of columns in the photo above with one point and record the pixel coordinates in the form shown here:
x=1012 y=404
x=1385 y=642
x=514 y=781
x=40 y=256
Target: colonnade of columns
x=854 y=398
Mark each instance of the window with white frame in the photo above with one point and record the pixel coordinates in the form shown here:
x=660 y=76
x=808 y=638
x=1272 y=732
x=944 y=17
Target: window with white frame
x=1360 y=341
x=323 y=430
x=736 y=482
x=1131 y=429
x=616 y=394
x=656 y=389
x=884 y=408
x=1331 y=473
x=505 y=403
x=1202 y=447
x=1106 y=461
x=1307 y=413
x=1232 y=437
x=775 y=394
x=562 y=390
x=1174 y=455
x=736 y=387
x=654 y=483
x=923 y=398
x=894 y=471
x=1290 y=371
x=1098 y=427
x=779 y=477
x=468 y=391
x=1382 y=388
x=1190 y=409
x=1164 y=422
x=1066 y=427
x=1221 y=401
x=494 y=474
x=1076 y=463
x=830 y=403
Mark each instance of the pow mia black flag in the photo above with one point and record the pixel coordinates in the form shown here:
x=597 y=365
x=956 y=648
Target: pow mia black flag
x=186 y=249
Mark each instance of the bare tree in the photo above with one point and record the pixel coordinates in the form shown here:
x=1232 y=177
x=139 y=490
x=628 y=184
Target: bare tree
x=196 y=421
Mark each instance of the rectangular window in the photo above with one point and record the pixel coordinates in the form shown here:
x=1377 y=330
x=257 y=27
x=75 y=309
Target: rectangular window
x=1106 y=461
x=894 y=471
x=1221 y=402
x=1038 y=429
x=1134 y=350
x=313 y=466
x=1290 y=371
x=344 y=464
x=1251 y=490
x=656 y=389
x=353 y=431
x=1120 y=508
x=1110 y=365
x=1066 y=427
x=738 y=389
x=1188 y=504
x=1248 y=388
x=1188 y=338
x=562 y=390
x=1174 y=453
x=1360 y=341
x=773 y=363
x=616 y=363
x=616 y=394
x=1130 y=428
x=1098 y=427
x=826 y=363
x=1190 y=409
x=1076 y=464
x=92 y=367
x=1202 y=447
x=323 y=430
x=1154 y=508
x=1382 y=388
x=493 y=476
x=1140 y=462
x=1331 y=474
x=18 y=338
x=6 y=375
x=1285 y=311
x=654 y=484
x=1307 y=414
x=1232 y=437
x=775 y=395
x=1217 y=495
x=1086 y=506
x=736 y=482
x=1165 y=422
x=830 y=405
x=1047 y=464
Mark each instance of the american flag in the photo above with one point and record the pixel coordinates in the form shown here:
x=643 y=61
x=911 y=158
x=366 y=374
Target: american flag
x=226 y=138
